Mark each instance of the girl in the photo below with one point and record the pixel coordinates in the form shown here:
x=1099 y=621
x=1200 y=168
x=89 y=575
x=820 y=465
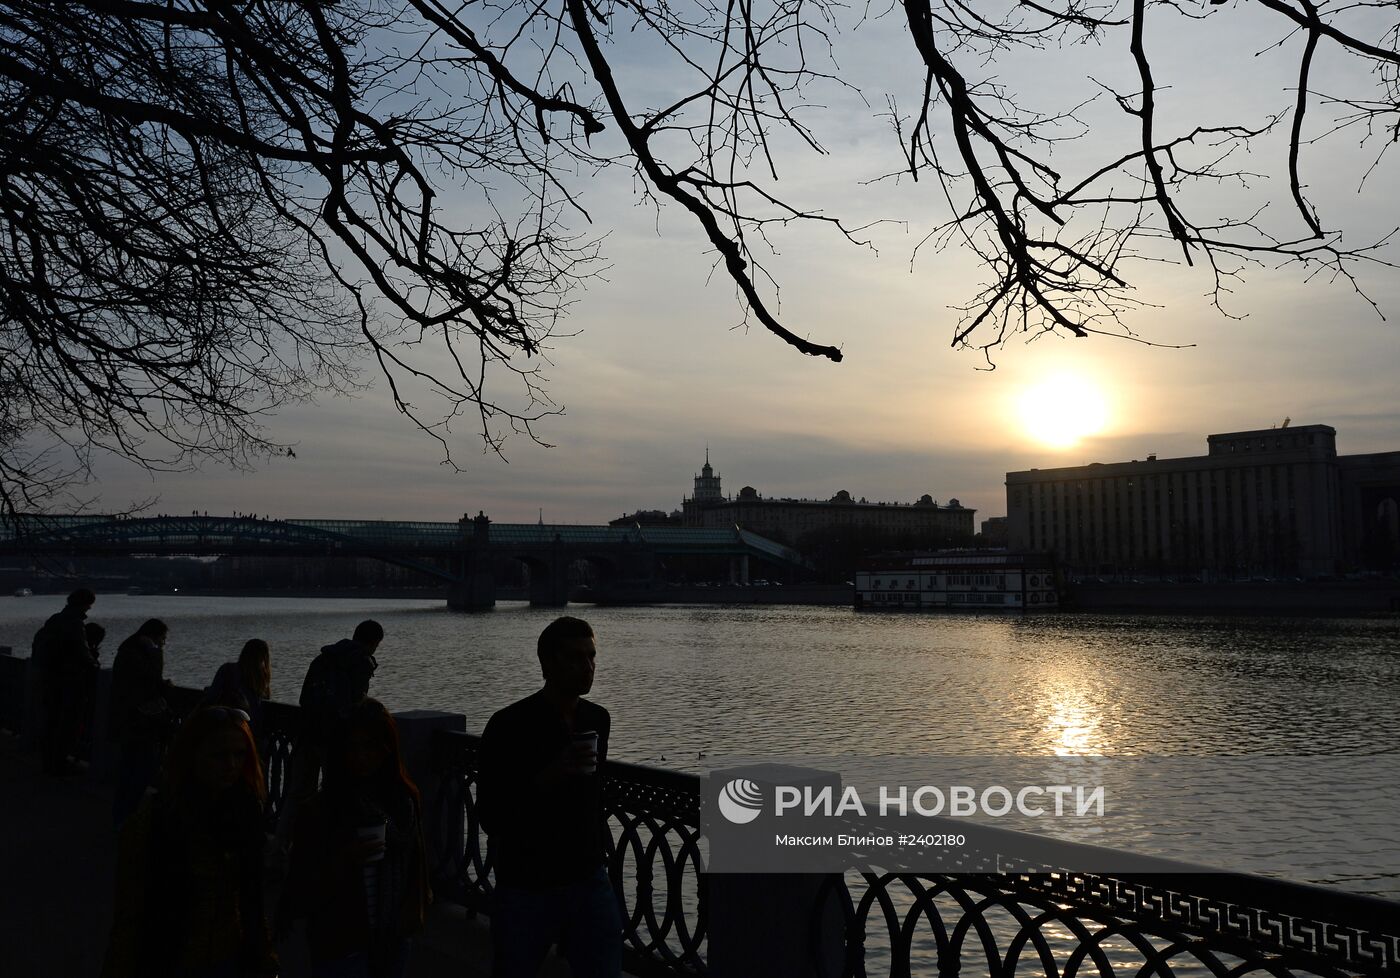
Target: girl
x=189 y=867
x=245 y=685
x=358 y=872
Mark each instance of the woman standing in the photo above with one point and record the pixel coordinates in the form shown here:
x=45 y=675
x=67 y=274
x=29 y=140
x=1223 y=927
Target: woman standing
x=358 y=872
x=189 y=898
x=245 y=685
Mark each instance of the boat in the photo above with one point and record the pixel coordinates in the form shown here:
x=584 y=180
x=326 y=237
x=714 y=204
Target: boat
x=23 y=592
x=960 y=580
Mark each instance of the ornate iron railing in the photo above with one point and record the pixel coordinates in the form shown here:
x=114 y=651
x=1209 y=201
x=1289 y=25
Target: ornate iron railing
x=976 y=921
x=279 y=725
x=1065 y=925
x=1000 y=907
x=653 y=855
x=995 y=915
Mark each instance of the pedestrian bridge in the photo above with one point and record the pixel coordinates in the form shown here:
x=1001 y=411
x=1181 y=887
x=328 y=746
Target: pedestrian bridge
x=463 y=554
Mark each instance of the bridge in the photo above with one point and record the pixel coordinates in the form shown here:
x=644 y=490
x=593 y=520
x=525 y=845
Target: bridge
x=464 y=555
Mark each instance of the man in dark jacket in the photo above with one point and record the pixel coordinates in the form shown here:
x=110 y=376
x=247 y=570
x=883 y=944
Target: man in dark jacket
x=540 y=797
x=336 y=682
x=141 y=717
x=60 y=653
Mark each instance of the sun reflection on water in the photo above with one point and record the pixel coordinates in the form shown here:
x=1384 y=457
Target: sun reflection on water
x=1073 y=725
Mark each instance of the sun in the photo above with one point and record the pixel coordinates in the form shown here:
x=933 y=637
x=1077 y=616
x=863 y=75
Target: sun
x=1063 y=409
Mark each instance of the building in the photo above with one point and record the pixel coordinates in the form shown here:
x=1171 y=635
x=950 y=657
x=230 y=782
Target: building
x=789 y=520
x=1273 y=502
x=960 y=581
x=994 y=531
x=707 y=490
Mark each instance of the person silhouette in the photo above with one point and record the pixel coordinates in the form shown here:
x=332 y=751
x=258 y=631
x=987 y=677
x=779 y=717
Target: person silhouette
x=141 y=716
x=65 y=665
x=336 y=682
x=358 y=869
x=539 y=797
x=189 y=899
x=245 y=685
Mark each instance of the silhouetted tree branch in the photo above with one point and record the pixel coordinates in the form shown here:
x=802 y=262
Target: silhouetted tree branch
x=210 y=208
x=1058 y=247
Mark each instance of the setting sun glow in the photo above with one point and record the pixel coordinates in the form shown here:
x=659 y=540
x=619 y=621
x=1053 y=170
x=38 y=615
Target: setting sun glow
x=1061 y=410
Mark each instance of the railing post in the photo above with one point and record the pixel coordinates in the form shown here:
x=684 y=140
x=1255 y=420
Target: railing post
x=780 y=925
x=770 y=924
x=442 y=832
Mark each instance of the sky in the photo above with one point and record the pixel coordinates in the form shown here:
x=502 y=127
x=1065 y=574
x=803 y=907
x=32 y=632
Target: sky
x=657 y=370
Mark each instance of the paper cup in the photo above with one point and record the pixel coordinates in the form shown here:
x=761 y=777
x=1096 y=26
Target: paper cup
x=588 y=739
x=375 y=832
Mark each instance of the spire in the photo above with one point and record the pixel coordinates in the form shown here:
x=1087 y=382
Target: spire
x=707 y=486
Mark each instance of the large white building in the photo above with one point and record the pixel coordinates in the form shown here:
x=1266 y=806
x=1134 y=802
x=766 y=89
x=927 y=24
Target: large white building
x=1278 y=501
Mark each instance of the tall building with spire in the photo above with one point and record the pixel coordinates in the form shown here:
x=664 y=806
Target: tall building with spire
x=707 y=490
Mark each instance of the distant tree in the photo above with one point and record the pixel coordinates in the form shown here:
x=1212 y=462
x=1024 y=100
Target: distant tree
x=210 y=208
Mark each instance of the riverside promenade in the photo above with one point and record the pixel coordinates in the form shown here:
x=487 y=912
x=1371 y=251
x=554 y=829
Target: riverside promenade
x=1008 y=910
x=57 y=861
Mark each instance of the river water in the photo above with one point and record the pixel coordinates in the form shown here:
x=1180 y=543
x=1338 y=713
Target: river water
x=686 y=684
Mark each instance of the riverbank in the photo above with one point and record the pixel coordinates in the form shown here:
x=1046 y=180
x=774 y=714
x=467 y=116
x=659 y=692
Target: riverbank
x=818 y=595
x=1294 y=598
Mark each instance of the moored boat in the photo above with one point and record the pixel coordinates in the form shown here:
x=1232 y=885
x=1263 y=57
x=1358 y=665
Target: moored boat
x=960 y=580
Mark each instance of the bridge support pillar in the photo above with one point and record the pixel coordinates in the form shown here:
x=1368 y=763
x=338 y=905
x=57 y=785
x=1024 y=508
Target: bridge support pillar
x=739 y=569
x=475 y=587
x=549 y=584
x=476 y=593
